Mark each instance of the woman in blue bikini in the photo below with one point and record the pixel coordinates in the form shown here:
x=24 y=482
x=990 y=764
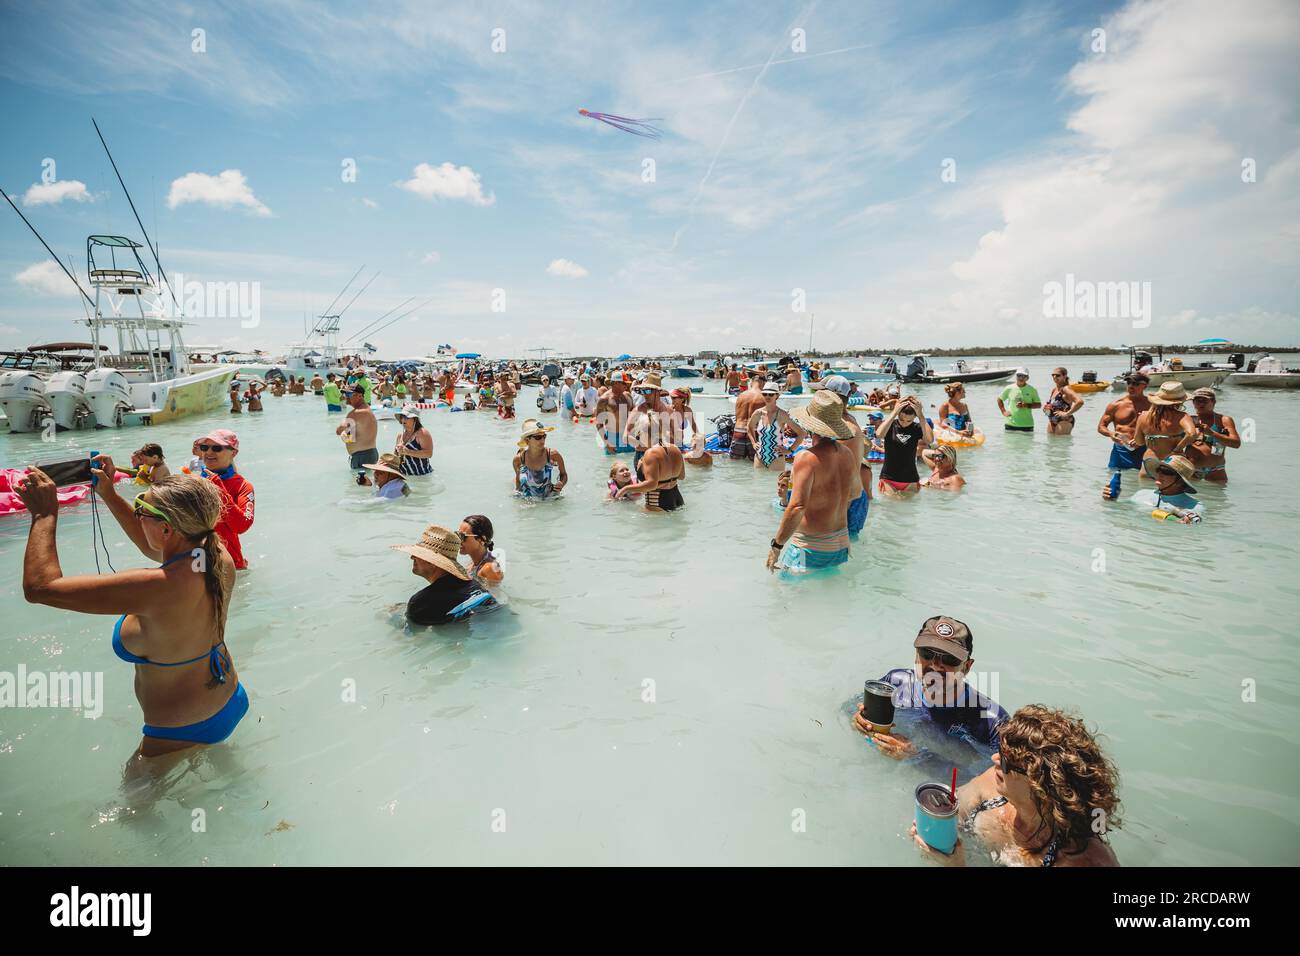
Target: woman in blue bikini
x=172 y=617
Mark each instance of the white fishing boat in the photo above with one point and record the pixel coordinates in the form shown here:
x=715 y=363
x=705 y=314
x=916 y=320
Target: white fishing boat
x=919 y=371
x=882 y=370
x=1266 y=371
x=1158 y=370
x=147 y=378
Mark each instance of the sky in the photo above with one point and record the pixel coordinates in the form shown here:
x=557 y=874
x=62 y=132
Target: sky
x=858 y=174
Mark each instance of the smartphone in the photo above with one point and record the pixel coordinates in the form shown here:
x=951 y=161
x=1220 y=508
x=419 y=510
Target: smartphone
x=70 y=471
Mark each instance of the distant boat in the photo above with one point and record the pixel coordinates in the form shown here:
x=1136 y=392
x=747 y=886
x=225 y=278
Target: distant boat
x=1265 y=371
x=1158 y=371
x=920 y=372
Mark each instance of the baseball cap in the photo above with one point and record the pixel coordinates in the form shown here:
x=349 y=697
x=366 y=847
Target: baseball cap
x=1022 y=371
x=948 y=635
x=222 y=436
x=837 y=384
x=1205 y=393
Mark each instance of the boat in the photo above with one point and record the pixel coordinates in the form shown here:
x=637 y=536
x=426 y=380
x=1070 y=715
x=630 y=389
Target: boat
x=689 y=370
x=1158 y=371
x=1266 y=371
x=919 y=372
x=147 y=379
x=884 y=370
x=1089 y=383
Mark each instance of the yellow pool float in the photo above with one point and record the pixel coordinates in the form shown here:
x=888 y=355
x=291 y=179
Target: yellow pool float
x=946 y=436
x=1090 y=386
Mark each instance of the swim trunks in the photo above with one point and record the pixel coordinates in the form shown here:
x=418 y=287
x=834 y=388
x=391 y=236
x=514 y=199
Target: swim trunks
x=858 y=514
x=1122 y=457
x=741 y=447
x=1017 y=428
x=360 y=459
x=812 y=552
x=333 y=408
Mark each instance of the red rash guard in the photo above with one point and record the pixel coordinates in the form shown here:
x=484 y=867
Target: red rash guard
x=236 y=511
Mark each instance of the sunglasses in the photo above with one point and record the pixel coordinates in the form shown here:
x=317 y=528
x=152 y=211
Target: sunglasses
x=213 y=447
x=536 y=437
x=142 y=509
x=1006 y=766
x=932 y=656
x=1200 y=399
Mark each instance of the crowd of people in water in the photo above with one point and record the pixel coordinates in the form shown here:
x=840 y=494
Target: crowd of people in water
x=1037 y=781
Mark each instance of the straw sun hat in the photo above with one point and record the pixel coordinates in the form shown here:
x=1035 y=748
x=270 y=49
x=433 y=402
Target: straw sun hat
x=390 y=464
x=532 y=427
x=1170 y=393
x=439 y=546
x=824 y=416
x=1179 y=465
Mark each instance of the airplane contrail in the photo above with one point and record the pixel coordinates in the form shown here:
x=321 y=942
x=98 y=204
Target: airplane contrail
x=699 y=191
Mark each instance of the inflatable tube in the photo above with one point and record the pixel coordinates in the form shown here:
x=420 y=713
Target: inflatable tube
x=946 y=436
x=1090 y=386
x=11 y=504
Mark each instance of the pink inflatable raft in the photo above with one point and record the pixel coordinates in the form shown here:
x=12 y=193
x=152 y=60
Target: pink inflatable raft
x=11 y=504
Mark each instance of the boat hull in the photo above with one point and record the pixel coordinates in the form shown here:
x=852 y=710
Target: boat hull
x=988 y=375
x=165 y=401
x=1192 y=378
x=1265 y=379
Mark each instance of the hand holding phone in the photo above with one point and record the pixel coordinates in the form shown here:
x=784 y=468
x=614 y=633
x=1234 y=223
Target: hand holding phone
x=39 y=493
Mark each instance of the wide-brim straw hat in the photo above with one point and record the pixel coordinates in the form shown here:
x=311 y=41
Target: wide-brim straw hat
x=532 y=427
x=388 y=463
x=440 y=547
x=1177 y=463
x=652 y=381
x=823 y=415
x=1170 y=393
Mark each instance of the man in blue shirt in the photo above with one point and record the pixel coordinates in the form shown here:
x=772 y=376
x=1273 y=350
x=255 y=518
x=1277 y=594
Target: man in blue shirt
x=934 y=702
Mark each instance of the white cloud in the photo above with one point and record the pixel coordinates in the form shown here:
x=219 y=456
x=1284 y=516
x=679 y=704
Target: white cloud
x=447 y=182
x=45 y=278
x=566 y=268
x=42 y=194
x=227 y=189
x=369 y=203
x=432 y=257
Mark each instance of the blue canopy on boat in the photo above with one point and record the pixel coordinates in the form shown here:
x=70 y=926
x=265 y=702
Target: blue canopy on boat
x=1214 y=342
x=623 y=358
x=467 y=355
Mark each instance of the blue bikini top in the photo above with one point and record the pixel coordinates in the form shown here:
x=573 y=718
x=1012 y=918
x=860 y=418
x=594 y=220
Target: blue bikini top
x=218 y=660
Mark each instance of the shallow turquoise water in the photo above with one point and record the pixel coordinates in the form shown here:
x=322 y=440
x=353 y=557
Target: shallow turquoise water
x=524 y=737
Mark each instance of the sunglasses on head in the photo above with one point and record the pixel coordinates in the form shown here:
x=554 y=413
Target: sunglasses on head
x=932 y=656
x=213 y=447
x=142 y=509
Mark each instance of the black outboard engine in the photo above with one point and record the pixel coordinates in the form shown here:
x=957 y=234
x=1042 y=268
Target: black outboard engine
x=1237 y=360
x=915 y=368
x=1089 y=378
x=552 y=371
x=1142 y=359
x=726 y=425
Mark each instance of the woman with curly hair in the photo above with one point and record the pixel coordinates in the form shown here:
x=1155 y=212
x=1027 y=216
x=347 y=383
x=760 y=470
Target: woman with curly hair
x=1048 y=800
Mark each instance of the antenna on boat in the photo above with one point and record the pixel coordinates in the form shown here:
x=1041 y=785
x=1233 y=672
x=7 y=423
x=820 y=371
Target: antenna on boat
x=143 y=231
x=358 y=295
x=329 y=309
x=362 y=331
x=56 y=259
x=396 y=318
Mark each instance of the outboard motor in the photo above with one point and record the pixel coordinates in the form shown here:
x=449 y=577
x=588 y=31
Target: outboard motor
x=66 y=393
x=109 y=395
x=915 y=368
x=1089 y=378
x=1142 y=359
x=1237 y=360
x=726 y=425
x=22 y=396
x=553 y=371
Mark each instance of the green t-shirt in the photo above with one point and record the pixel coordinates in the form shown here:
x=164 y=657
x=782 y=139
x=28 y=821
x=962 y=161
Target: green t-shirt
x=1020 y=417
x=332 y=394
x=365 y=387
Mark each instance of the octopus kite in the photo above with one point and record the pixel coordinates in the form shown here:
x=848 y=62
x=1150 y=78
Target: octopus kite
x=638 y=127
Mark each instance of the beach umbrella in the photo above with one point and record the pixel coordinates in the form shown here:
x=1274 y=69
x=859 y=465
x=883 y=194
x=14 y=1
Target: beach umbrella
x=1214 y=342
x=623 y=358
x=467 y=355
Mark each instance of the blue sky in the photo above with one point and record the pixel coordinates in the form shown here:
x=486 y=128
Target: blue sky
x=779 y=169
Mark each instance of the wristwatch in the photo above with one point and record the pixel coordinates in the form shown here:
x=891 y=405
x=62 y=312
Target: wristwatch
x=775 y=546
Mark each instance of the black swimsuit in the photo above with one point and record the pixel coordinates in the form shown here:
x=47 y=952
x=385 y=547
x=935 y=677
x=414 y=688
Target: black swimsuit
x=1049 y=855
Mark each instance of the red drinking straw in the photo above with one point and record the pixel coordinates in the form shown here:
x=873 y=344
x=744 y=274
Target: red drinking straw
x=953 y=789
